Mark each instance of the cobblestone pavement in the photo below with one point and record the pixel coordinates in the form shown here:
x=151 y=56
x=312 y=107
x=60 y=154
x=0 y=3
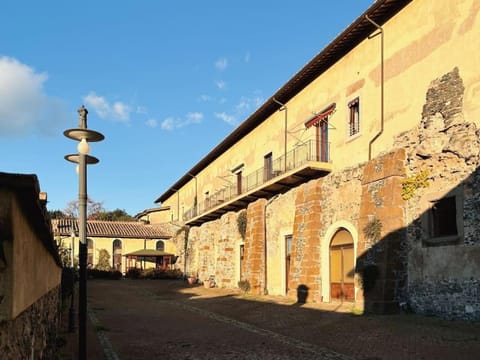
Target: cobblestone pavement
x=167 y=319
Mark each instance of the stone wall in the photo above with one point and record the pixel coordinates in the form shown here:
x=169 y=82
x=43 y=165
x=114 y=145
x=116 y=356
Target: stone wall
x=253 y=265
x=305 y=260
x=32 y=334
x=443 y=279
x=381 y=202
x=440 y=280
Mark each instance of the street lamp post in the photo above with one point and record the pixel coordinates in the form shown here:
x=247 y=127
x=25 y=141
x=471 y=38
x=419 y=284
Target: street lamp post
x=83 y=135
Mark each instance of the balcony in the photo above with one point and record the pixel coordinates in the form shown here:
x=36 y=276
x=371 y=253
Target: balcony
x=307 y=161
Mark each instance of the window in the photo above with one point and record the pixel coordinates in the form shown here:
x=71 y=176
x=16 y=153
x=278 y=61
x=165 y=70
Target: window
x=160 y=245
x=239 y=182
x=354 y=117
x=443 y=221
x=267 y=167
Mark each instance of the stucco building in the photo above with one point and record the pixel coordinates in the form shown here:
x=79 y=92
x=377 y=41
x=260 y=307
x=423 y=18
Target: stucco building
x=359 y=177
x=123 y=241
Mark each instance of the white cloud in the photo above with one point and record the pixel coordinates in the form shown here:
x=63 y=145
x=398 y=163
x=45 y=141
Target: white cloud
x=117 y=111
x=205 y=98
x=229 y=119
x=245 y=106
x=194 y=117
x=220 y=84
x=172 y=123
x=153 y=123
x=24 y=106
x=221 y=64
x=168 y=124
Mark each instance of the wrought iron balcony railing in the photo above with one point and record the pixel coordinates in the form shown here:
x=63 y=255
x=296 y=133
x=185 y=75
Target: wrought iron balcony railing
x=302 y=154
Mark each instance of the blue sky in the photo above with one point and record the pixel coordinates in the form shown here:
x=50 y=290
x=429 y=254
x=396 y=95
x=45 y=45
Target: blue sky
x=164 y=81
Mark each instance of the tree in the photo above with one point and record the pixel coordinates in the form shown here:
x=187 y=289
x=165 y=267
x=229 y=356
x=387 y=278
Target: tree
x=93 y=208
x=95 y=211
x=115 y=215
x=103 y=260
x=57 y=214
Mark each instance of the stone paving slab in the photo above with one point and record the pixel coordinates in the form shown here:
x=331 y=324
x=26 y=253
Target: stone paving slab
x=166 y=319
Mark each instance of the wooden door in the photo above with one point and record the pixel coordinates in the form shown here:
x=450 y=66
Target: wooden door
x=342 y=260
x=322 y=141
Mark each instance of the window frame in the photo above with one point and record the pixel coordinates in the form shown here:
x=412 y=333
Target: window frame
x=428 y=239
x=353 y=126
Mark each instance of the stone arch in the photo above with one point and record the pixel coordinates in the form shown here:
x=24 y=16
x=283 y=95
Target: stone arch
x=325 y=253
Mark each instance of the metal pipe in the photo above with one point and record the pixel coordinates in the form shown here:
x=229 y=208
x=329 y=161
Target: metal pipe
x=82 y=304
x=382 y=119
x=283 y=107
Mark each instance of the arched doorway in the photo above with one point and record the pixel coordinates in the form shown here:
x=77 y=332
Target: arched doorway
x=342 y=261
x=117 y=255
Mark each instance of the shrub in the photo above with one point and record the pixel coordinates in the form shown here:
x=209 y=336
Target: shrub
x=244 y=285
x=103 y=274
x=242 y=223
x=133 y=273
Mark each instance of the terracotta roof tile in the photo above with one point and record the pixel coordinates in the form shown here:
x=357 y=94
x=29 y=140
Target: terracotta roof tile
x=117 y=229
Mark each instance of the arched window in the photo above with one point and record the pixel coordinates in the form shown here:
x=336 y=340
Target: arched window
x=160 y=245
x=117 y=255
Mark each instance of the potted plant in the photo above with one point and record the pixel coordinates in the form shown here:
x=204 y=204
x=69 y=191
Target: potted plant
x=192 y=280
x=209 y=283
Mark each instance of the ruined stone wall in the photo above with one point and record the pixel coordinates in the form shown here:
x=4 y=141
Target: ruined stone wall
x=443 y=279
x=381 y=254
x=209 y=250
x=32 y=334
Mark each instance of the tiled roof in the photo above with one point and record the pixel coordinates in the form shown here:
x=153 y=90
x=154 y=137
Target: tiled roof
x=114 y=229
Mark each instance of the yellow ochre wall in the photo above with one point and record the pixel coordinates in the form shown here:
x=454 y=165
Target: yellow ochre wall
x=34 y=271
x=129 y=245
x=422 y=42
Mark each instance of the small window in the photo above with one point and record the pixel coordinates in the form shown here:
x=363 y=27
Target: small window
x=160 y=245
x=443 y=221
x=354 y=117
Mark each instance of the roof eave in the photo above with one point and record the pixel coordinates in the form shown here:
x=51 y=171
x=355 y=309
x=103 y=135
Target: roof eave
x=380 y=11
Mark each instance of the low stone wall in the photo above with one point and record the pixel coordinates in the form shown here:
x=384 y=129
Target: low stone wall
x=32 y=334
x=448 y=298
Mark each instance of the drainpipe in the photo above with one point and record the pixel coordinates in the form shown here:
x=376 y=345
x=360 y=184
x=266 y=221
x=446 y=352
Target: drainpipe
x=283 y=107
x=269 y=201
x=381 y=85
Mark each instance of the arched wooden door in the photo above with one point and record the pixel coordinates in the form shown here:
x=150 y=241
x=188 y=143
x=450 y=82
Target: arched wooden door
x=342 y=260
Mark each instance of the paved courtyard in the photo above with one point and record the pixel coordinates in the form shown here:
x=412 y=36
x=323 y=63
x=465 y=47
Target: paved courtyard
x=167 y=319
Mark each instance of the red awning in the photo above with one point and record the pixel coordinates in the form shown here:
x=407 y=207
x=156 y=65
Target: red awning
x=324 y=114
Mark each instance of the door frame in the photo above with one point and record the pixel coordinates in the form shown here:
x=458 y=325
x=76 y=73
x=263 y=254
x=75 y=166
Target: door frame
x=325 y=254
